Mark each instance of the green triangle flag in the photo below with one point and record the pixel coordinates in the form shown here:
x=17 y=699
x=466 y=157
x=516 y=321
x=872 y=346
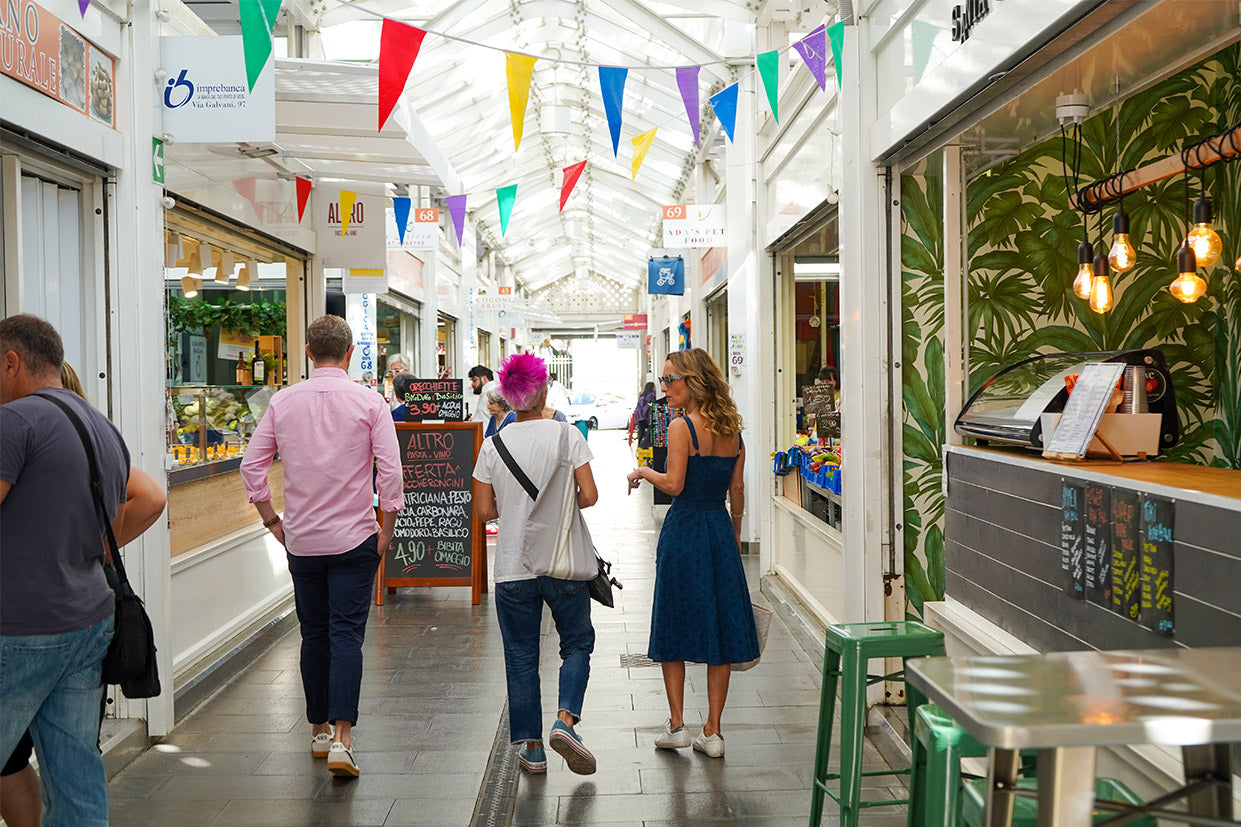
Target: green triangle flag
x=769 y=70
x=506 y=196
x=258 y=18
x=836 y=35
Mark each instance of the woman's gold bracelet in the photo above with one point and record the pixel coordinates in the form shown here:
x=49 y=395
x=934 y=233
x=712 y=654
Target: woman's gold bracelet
x=737 y=516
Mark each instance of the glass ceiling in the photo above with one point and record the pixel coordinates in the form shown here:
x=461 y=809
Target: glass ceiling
x=459 y=92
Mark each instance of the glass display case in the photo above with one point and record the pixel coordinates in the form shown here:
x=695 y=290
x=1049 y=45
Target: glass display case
x=1009 y=406
x=213 y=423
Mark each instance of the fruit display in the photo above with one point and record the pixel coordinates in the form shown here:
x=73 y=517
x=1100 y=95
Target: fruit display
x=224 y=413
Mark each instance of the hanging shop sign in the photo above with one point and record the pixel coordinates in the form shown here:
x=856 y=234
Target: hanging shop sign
x=486 y=301
x=349 y=227
x=374 y=282
x=38 y=49
x=666 y=276
x=715 y=265
x=422 y=230
x=629 y=339
x=967 y=15
x=360 y=313
x=693 y=225
x=206 y=97
x=634 y=321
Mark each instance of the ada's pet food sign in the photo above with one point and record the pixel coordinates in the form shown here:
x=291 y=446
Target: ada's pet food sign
x=39 y=50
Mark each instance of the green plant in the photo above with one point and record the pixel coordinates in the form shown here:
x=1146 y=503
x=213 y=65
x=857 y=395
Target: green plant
x=258 y=318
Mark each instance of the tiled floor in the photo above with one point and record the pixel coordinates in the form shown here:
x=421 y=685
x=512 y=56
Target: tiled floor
x=432 y=697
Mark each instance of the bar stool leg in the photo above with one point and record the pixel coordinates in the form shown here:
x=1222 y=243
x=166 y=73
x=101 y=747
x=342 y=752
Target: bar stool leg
x=1210 y=761
x=823 y=747
x=1002 y=766
x=916 y=815
x=852 y=727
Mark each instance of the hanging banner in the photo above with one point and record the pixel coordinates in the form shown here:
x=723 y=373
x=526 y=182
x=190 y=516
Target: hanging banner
x=361 y=245
x=691 y=225
x=634 y=321
x=206 y=98
x=364 y=281
x=666 y=276
x=629 y=339
x=38 y=49
x=422 y=230
x=485 y=301
x=360 y=313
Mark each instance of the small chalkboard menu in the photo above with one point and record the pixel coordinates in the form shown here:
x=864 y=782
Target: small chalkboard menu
x=1098 y=535
x=817 y=399
x=827 y=425
x=438 y=540
x=1156 y=564
x=1072 y=540
x=1125 y=577
x=1090 y=398
x=435 y=399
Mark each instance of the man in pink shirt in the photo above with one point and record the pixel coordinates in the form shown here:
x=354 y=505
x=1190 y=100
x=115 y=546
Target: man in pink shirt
x=327 y=430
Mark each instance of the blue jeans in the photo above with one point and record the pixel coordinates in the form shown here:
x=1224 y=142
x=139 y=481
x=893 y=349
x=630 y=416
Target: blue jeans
x=53 y=685
x=333 y=596
x=519 y=606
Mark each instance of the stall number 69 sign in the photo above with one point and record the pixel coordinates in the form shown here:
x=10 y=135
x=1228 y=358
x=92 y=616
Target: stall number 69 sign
x=677 y=211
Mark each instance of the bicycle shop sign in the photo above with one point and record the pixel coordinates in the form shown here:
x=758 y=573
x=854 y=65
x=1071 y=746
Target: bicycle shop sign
x=967 y=15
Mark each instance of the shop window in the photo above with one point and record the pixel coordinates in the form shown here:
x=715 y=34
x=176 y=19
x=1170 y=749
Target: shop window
x=446 y=347
x=717 y=327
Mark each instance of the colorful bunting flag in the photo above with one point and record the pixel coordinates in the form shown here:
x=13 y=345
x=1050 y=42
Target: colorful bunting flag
x=836 y=35
x=83 y=5
x=725 y=105
x=303 y=195
x=642 y=145
x=612 y=82
x=518 y=69
x=923 y=35
x=400 y=211
x=258 y=18
x=571 y=174
x=506 y=197
x=346 y=210
x=769 y=70
x=687 y=82
x=398 y=49
x=456 y=208
x=813 y=51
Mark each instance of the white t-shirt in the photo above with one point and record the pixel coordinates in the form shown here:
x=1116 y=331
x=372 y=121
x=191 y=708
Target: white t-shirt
x=557 y=396
x=481 y=414
x=534 y=446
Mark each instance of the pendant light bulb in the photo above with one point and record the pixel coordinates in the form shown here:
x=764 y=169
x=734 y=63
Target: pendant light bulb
x=1085 y=270
x=1100 y=287
x=1122 y=256
x=1188 y=286
x=1205 y=241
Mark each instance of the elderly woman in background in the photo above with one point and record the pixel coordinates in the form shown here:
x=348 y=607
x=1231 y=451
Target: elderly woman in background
x=501 y=413
x=400 y=387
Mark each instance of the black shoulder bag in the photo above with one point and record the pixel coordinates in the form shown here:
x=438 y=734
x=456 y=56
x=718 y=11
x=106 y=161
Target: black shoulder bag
x=600 y=586
x=130 y=660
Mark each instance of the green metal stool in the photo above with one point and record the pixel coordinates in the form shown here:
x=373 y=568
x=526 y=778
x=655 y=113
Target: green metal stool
x=849 y=648
x=1025 y=809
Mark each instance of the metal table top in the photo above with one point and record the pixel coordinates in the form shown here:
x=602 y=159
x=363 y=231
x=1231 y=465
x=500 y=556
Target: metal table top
x=1174 y=697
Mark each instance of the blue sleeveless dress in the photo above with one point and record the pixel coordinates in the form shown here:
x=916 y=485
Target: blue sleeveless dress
x=702 y=609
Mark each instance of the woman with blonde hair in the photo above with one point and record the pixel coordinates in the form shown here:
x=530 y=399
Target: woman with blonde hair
x=701 y=611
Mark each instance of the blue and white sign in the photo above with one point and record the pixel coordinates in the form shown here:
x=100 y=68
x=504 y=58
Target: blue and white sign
x=666 y=275
x=205 y=97
x=360 y=313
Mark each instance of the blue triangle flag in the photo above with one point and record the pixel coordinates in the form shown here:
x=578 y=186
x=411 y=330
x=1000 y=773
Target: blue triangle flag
x=725 y=105
x=612 y=82
x=400 y=207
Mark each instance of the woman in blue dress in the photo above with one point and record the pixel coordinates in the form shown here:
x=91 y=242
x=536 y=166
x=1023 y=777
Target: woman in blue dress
x=702 y=608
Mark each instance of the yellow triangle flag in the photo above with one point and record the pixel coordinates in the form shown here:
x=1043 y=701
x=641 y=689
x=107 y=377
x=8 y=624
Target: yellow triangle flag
x=346 y=210
x=641 y=145
x=518 y=68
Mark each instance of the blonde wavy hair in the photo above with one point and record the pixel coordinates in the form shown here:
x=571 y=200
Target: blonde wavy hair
x=706 y=383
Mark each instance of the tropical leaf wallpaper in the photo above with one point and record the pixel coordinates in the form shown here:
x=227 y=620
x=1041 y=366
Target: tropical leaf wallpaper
x=1021 y=254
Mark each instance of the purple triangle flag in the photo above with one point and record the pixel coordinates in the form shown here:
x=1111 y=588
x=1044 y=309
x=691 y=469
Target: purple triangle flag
x=456 y=208
x=400 y=207
x=83 y=5
x=687 y=82
x=813 y=50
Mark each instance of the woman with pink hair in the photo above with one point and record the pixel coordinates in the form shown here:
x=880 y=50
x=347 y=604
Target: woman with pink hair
x=538 y=447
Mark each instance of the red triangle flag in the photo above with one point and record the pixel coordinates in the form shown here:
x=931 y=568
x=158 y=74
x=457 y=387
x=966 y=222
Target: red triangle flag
x=398 y=49
x=571 y=174
x=303 y=195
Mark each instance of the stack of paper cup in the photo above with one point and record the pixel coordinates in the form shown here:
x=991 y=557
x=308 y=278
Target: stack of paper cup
x=1135 y=390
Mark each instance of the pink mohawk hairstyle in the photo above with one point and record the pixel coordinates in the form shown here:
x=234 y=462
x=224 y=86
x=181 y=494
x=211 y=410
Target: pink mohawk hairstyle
x=522 y=376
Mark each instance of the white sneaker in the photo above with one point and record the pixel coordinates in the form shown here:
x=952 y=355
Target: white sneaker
x=672 y=738
x=340 y=761
x=712 y=746
x=321 y=744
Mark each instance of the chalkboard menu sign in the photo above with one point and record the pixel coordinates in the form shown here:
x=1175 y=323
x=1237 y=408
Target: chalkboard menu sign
x=1125 y=579
x=1156 y=564
x=435 y=399
x=1072 y=539
x=1098 y=535
x=827 y=425
x=817 y=399
x=438 y=540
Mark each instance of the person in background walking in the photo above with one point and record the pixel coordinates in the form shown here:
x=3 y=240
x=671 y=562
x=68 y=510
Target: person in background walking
x=701 y=610
x=328 y=430
x=482 y=380
x=557 y=393
x=642 y=415
x=535 y=444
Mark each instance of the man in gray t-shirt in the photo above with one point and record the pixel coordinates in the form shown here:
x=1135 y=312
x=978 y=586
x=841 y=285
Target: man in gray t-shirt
x=56 y=607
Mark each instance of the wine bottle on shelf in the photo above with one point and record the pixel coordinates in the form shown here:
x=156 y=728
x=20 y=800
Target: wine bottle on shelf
x=241 y=369
x=258 y=369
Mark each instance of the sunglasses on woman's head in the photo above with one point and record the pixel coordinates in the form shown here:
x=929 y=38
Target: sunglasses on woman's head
x=665 y=381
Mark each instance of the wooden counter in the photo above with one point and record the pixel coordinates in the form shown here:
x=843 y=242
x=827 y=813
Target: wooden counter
x=207 y=509
x=1002 y=548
